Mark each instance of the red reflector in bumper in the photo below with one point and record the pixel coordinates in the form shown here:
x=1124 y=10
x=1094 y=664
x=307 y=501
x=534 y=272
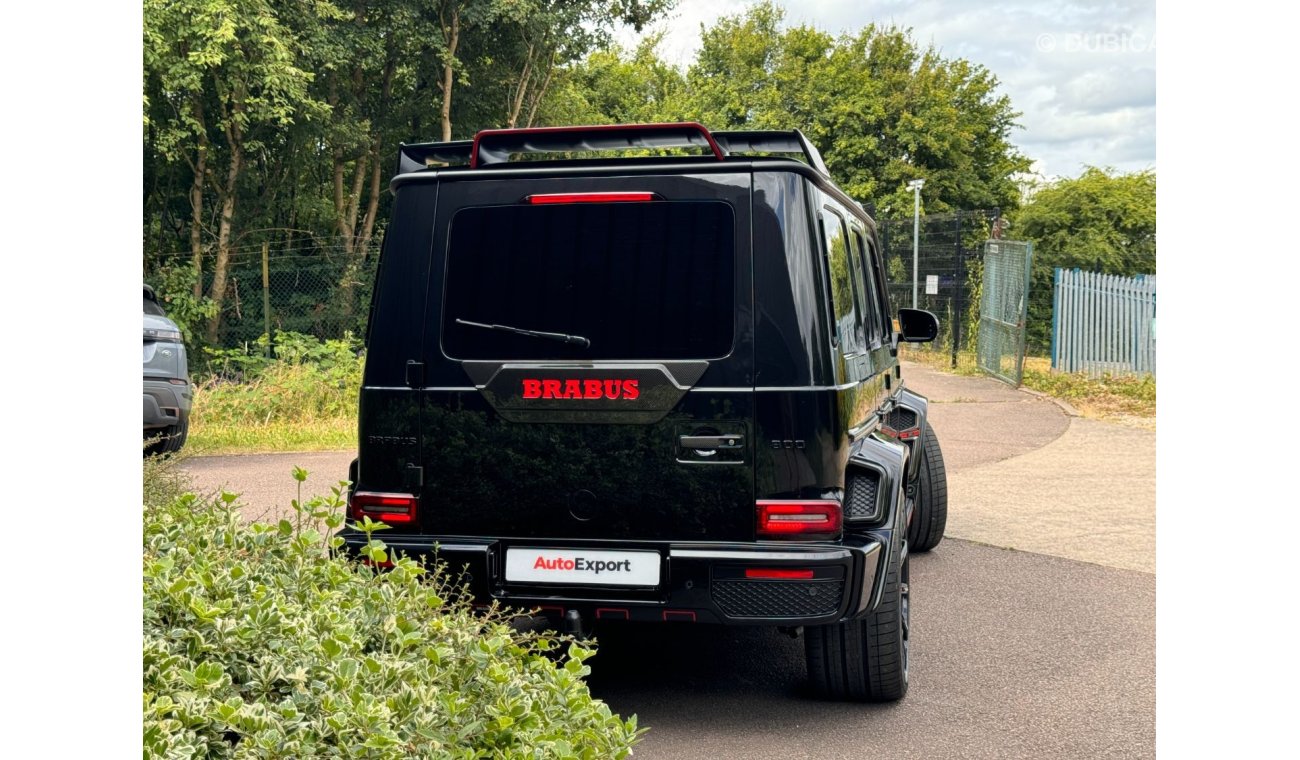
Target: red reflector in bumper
x=611 y=613
x=394 y=508
x=902 y=435
x=589 y=198
x=799 y=519
x=679 y=616
x=777 y=573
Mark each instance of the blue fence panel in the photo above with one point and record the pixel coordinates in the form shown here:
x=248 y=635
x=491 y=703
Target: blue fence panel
x=1103 y=324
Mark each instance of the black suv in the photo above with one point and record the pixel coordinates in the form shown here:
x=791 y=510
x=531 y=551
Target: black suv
x=657 y=388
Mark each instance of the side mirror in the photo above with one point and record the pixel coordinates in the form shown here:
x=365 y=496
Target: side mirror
x=917 y=326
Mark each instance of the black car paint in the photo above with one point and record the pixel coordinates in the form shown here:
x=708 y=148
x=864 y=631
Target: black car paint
x=429 y=424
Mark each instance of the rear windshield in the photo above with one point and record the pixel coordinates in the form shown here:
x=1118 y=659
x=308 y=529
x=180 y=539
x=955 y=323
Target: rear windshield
x=641 y=280
x=152 y=307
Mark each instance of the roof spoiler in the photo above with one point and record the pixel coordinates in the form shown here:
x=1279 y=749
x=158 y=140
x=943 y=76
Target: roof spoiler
x=773 y=141
x=420 y=156
x=495 y=146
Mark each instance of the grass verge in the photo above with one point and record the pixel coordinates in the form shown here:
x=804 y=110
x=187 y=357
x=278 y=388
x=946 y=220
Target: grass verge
x=222 y=437
x=1128 y=400
x=1115 y=398
x=286 y=407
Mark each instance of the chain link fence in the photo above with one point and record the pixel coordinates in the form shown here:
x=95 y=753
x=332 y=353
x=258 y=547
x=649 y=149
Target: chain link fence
x=950 y=281
x=317 y=288
x=1001 y=340
x=948 y=276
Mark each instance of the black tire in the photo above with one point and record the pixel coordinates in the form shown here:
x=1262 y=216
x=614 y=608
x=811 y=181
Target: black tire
x=168 y=440
x=865 y=660
x=930 y=499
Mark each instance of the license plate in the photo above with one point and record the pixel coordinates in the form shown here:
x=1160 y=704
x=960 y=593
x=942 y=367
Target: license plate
x=582 y=566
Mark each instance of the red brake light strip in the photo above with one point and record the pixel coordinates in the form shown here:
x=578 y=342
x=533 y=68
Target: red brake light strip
x=612 y=197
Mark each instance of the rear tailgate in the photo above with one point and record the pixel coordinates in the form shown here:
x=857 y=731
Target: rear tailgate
x=642 y=435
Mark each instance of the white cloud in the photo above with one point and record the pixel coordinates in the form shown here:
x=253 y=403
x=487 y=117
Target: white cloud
x=1082 y=72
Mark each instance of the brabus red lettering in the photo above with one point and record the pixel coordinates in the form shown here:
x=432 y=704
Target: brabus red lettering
x=575 y=388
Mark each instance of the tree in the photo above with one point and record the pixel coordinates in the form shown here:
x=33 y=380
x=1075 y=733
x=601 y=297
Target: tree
x=881 y=109
x=1102 y=221
x=616 y=86
x=221 y=71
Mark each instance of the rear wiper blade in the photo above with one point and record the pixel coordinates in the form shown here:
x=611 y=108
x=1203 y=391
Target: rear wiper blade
x=576 y=340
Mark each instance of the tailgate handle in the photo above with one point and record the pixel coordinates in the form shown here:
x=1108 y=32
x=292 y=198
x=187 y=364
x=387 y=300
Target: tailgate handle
x=712 y=441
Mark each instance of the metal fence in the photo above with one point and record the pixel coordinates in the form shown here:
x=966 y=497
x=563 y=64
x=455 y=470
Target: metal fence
x=1004 y=307
x=317 y=288
x=1104 y=324
x=949 y=273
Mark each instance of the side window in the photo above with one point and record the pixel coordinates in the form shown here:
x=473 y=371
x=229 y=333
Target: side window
x=876 y=264
x=848 y=321
x=864 y=284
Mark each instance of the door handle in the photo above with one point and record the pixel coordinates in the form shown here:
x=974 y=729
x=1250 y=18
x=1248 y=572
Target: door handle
x=712 y=441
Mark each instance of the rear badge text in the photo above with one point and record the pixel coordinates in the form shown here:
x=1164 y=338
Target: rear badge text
x=626 y=390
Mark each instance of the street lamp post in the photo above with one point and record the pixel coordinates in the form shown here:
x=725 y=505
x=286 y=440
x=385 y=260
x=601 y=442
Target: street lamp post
x=915 y=186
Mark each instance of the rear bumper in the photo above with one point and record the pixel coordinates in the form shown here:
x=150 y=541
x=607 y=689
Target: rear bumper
x=165 y=403
x=702 y=583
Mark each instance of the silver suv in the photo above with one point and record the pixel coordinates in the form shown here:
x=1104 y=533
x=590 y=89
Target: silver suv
x=167 y=392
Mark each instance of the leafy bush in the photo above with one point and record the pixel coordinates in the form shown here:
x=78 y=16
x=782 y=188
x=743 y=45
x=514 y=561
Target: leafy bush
x=260 y=641
x=333 y=358
x=174 y=285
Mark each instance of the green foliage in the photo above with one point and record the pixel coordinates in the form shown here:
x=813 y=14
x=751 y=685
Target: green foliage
x=302 y=399
x=332 y=361
x=261 y=641
x=1101 y=221
x=616 y=86
x=174 y=285
x=275 y=121
x=881 y=109
x=164 y=480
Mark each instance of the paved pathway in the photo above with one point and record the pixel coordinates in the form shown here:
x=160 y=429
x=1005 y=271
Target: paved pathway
x=1023 y=474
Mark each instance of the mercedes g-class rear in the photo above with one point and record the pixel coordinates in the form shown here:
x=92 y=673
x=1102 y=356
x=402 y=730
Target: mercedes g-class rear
x=615 y=389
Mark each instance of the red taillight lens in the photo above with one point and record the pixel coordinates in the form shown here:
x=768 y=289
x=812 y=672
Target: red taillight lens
x=903 y=435
x=799 y=519
x=394 y=508
x=778 y=573
x=589 y=198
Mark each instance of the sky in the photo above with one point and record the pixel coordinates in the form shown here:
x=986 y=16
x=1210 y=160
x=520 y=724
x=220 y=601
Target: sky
x=1081 y=72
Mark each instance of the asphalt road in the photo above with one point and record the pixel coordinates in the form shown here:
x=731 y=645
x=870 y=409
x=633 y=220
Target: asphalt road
x=1014 y=653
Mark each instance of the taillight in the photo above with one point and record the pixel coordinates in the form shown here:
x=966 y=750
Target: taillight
x=613 y=197
x=393 y=508
x=152 y=333
x=799 y=519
